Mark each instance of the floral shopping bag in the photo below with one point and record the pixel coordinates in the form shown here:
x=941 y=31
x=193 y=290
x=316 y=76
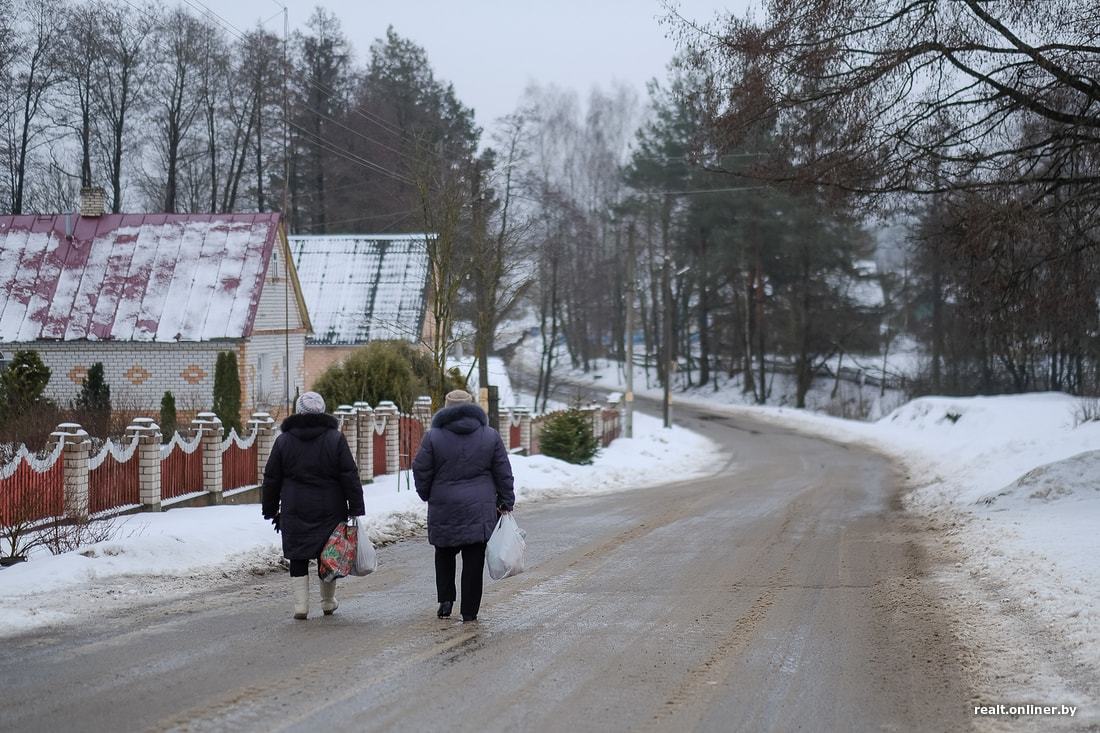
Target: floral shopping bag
x=338 y=557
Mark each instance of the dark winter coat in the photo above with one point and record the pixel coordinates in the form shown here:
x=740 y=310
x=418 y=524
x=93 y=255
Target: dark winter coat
x=311 y=482
x=462 y=471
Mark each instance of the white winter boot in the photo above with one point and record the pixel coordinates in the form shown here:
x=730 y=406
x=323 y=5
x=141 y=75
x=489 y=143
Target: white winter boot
x=300 y=587
x=328 y=597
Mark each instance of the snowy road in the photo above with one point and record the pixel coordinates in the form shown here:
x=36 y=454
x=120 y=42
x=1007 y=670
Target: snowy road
x=784 y=593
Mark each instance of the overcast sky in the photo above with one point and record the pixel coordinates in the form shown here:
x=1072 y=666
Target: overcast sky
x=491 y=49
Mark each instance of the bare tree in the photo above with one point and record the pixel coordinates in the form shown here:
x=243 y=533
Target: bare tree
x=181 y=61
x=497 y=279
x=36 y=71
x=122 y=70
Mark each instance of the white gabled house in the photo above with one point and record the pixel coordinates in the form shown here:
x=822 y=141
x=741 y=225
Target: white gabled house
x=155 y=297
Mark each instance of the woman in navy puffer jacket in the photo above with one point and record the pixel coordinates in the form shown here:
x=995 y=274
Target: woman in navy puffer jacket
x=462 y=471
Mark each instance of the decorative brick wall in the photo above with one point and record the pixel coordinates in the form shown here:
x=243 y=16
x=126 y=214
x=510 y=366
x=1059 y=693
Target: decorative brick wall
x=140 y=373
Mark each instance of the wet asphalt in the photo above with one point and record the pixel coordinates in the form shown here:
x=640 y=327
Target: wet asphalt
x=784 y=592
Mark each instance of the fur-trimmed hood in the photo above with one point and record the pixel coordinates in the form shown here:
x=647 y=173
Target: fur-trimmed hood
x=460 y=419
x=309 y=425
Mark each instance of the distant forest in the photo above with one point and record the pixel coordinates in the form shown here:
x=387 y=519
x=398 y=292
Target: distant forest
x=735 y=211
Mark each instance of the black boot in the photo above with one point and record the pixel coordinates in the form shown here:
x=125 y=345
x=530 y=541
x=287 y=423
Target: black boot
x=445 y=609
x=466 y=618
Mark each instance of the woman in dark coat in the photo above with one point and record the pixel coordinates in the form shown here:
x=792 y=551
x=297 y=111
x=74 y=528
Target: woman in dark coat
x=311 y=484
x=462 y=471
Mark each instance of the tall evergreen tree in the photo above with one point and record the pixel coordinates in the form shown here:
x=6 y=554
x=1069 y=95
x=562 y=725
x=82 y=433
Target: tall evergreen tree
x=227 y=391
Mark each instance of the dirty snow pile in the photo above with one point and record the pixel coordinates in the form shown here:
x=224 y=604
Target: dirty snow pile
x=160 y=555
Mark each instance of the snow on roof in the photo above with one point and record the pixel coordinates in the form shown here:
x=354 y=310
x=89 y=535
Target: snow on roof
x=363 y=287
x=132 y=277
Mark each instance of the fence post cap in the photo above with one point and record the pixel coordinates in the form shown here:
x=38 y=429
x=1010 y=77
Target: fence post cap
x=345 y=409
x=386 y=405
x=362 y=406
x=260 y=420
x=71 y=428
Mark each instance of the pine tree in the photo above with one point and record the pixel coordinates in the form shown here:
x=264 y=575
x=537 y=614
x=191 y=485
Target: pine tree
x=167 y=415
x=22 y=383
x=568 y=436
x=95 y=393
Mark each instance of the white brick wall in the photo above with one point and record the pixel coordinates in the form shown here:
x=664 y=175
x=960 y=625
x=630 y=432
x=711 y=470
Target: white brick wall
x=266 y=383
x=140 y=373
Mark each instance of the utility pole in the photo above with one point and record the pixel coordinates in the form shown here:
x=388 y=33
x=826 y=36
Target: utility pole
x=628 y=418
x=666 y=286
x=283 y=213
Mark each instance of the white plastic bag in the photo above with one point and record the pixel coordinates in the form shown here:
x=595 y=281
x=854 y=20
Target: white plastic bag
x=366 y=559
x=507 y=551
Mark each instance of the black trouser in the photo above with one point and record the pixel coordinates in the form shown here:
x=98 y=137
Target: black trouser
x=473 y=564
x=298 y=568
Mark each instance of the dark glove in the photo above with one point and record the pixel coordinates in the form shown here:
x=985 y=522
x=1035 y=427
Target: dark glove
x=275 y=523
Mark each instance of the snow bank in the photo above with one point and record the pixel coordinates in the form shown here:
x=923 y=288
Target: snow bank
x=157 y=556
x=1013 y=481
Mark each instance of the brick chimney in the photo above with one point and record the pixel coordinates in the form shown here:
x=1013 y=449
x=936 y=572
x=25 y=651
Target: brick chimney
x=93 y=201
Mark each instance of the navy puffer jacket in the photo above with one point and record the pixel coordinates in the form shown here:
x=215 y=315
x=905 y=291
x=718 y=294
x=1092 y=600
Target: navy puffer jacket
x=312 y=482
x=462 y=471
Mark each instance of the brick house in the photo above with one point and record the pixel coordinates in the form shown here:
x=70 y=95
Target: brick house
x=360 y=288
x=154 y=297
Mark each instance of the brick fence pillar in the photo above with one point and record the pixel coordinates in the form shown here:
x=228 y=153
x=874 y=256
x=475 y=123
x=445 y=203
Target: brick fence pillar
x=392 y=434
x=74 y=454
x=506 y=427
x=210 y=428
x=364 y=433
x=263 y=425
x=524 y=430
x=422 y=410
x=148 y=436
x=615 y=402
x=595 y=413
x=349 y=426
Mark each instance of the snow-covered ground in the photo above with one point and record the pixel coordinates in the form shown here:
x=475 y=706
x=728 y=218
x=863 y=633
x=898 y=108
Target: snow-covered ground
x=852 y=400
x=1012 y=484
x=181 y=551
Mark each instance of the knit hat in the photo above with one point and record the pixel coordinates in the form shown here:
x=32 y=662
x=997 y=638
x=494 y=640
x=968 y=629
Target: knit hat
x=310 y=402
x=458 y=397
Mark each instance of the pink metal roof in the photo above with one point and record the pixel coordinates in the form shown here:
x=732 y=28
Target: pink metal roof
x=132 y=277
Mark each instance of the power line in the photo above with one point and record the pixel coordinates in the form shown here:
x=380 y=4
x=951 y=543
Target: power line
x=326 y=145
x=365 y=114
x=401 y=216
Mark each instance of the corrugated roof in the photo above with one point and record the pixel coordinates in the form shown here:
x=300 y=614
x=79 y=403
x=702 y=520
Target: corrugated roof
x=132 y=277
x=363 y=287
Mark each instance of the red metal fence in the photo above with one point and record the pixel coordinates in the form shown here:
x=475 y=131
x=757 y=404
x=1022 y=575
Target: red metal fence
x=612 y=426
x=113 y=482
x=238 y=462
x=412 y=432
x=28 y=494
x=180 y=468
x=379 y=453
x=513 y=435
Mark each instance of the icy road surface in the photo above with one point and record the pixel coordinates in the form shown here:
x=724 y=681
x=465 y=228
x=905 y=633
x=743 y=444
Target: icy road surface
x=787 y=592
